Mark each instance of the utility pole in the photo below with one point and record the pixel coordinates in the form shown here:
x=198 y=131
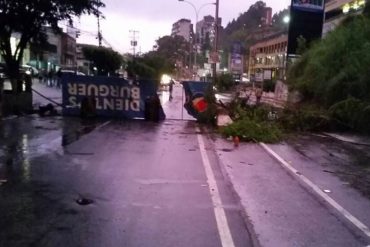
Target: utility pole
x=215 y=46
x=100 y=36
x=134 y=41
x=195 y=40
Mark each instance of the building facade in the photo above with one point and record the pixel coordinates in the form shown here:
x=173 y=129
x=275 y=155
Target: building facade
x=337 y=10
x=68 y=51
x=205 y=31
x=267 y=58
x=184 y=28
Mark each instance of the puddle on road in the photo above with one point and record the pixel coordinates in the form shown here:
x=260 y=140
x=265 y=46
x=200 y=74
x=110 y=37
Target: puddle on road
x=72 y=135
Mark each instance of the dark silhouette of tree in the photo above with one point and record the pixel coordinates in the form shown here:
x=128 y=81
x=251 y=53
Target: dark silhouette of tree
x=28 y=18
x=106 y=60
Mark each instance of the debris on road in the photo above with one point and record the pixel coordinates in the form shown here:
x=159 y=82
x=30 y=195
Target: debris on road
x=84 y=201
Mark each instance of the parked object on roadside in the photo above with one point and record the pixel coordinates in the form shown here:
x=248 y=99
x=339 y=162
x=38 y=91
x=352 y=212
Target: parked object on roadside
x=153 y=109
x=47 y=110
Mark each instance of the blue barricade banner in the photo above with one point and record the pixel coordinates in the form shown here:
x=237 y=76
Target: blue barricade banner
x=111 y=96
x=194 y=92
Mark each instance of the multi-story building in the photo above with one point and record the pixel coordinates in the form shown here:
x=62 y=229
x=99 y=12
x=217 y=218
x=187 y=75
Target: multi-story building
x=205 y=30
x=267 y=58
x=337 y=10
x=68 y=59
x=82 y=63
x=184 y=28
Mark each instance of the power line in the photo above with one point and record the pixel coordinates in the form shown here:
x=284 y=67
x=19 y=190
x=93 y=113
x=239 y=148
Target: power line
x=80 y=31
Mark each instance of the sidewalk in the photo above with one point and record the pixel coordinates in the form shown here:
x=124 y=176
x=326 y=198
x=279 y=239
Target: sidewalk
x=52 y=93
x=280 y=209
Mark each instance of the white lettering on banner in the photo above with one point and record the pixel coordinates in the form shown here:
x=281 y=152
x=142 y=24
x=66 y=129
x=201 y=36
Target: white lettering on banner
x=135 y=93
x=119 y=104
x=125 y=92
x=98 y=105
x=72 y=88
x=72 y=101
x=103 y=90
x=108 y=104
x=91 y=88
x=135 y=105
x=121 y=98
x=81 y=89
x=114 y=91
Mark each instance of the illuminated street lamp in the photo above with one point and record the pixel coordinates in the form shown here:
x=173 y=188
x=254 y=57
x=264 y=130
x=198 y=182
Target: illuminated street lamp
x=286 y=19
x=197 y=10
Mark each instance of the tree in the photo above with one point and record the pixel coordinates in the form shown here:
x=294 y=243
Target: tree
x=106 y=60
x=28 y=18
x=173 y=48
x=334 y=73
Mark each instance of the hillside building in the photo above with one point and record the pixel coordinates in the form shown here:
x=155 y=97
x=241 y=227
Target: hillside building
x=267 y=58
x=337 y=10
x=184 y=28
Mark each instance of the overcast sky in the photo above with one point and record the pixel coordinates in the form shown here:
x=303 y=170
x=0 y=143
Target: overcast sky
x=154 y=18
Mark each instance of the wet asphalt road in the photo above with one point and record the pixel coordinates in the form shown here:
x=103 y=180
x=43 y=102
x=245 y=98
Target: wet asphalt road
x=71 y=182
x=143 y=183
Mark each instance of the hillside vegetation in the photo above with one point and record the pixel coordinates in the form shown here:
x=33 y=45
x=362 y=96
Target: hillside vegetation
x=335 y=73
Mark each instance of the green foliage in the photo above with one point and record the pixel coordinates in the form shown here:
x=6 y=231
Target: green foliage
x=154 y=64
x=160 y=64
x=104 y=59
x=252 y=130
x=252 y=124
x=28 y=18
x=337 y=67
x=301 y=45
x=224 y=82
x=140 y=69
x=173 y=48
x=335 y=73
x=269 y=85
x=351 y=114
x=304 y=118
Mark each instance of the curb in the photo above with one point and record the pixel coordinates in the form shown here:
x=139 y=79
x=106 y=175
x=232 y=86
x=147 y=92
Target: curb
x=228 y=179
x=345 y=139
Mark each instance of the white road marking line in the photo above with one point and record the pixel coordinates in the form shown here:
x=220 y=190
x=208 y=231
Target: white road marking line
x=103 y=124
x=222 y=225
x=356 y=222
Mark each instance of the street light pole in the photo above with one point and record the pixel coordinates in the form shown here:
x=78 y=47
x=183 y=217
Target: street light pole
x=215 y=46
x=197 y=11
